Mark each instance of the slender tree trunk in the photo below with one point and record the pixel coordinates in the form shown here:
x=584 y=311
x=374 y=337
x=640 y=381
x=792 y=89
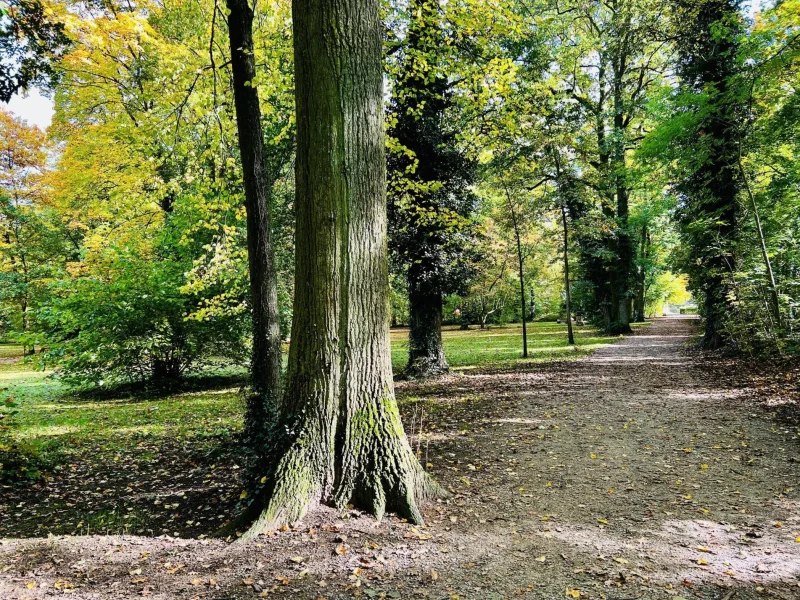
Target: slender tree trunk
x=344 y=442
x=266 y=357
x=426 y=356
x=521 y=261
x=641 y=278
x=567 y=295
x=624 y=258
x=775 y=303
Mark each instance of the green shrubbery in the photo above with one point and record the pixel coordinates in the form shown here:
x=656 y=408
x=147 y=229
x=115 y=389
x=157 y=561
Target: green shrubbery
x=136 y=326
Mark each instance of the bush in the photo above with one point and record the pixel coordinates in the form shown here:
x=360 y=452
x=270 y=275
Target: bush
x=135 y=326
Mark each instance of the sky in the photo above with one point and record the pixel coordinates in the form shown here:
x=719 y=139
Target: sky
x=38 y=110
x=34 y=108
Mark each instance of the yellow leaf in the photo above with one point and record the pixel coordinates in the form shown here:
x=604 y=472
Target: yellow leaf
x=573 y=593
x=541 y=558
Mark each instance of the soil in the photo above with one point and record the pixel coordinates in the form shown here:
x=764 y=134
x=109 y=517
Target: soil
x=642 y=471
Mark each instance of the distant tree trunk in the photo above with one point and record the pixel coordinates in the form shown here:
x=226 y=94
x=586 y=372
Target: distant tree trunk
x=567 y=295
x=425 y=351
x=521 y=261
x=639 y=310
x=343 y=442
x=624 y=258
x=266 y=357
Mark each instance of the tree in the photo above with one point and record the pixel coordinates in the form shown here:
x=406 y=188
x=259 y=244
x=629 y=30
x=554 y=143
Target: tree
x=711 y=113
x=146 y=186
x=260 y=174
x=341 y=440
x=431 y=203
x=603 y=61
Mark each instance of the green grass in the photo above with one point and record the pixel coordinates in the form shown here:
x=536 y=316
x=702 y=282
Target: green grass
x=46 y=411
x=502 y=345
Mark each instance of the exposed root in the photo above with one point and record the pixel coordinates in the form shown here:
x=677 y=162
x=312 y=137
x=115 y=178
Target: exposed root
x=296 y=484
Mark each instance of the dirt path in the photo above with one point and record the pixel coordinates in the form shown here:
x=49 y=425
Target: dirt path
x=629 y=474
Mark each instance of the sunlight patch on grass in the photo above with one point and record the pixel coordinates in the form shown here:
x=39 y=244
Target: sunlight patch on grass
x=46 y=431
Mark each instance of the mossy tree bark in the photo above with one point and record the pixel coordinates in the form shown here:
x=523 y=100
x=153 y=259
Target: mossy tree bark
x=258 y=182
x=344 y=442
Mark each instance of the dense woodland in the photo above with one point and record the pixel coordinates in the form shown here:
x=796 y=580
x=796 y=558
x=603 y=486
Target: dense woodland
x=224 y=184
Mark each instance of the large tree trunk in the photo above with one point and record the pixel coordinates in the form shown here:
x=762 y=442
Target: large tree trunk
x=425 y=351
x=266 y=356
x=343 y=442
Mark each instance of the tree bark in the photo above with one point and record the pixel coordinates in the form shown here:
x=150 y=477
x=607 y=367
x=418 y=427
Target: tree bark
x=521 y=260
x=266 y=356
x=567 y=296
x=641 y=283
x=343 y=442
x=426 y=356
x=624 y=258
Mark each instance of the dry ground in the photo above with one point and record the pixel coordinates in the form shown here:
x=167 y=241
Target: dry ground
x=637 y=472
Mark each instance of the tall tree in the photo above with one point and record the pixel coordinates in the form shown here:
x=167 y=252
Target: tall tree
x=711 y=110
x=259 y=174
x=431 y=203
x=605 y=60
x=341 y=439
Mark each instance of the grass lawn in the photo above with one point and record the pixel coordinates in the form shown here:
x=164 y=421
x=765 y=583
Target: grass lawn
x=502 y=345
x=144 y=465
